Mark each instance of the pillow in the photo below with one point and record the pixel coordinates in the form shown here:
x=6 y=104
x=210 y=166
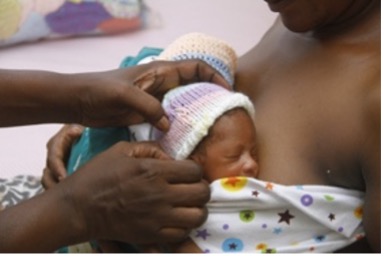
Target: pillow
x=30 y=20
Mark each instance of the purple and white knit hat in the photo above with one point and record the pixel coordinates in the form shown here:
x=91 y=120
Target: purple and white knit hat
x=192 y=110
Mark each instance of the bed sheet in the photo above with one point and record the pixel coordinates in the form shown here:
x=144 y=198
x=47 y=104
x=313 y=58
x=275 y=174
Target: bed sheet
x=241 y=23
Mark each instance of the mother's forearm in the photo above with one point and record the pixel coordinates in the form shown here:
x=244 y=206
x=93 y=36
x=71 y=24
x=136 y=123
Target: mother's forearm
x=41 y=224
x=32 y=97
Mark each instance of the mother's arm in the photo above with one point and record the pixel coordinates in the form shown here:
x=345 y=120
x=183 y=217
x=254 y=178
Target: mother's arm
x=370 y=160
x=137 y=191
x=371 y=168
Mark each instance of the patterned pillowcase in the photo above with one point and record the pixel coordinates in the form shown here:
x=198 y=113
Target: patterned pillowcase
x=17 y=189
x=30 y=20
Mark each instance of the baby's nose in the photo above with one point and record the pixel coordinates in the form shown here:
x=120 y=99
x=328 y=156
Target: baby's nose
x=250 y=168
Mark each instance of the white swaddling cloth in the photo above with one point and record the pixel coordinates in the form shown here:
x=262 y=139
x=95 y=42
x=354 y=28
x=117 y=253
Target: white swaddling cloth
x=252 y=216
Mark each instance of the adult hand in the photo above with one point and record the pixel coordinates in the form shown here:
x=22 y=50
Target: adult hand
x=58 y=149
x=115 y=196
x=123 y=97
x=119 y=97
x=124 y=194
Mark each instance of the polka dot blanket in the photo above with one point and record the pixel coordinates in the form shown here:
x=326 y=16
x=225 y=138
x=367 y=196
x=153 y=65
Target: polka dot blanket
x=252 y=216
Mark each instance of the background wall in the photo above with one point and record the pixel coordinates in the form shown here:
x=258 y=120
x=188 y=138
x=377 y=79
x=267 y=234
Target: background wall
x=241 y=23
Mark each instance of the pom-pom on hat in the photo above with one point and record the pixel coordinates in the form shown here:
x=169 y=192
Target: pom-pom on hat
x=215 y=52
x=192 y=111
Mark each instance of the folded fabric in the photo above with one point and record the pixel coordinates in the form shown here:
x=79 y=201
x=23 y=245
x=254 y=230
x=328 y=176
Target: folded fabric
x=247 y=215
x=30 y=20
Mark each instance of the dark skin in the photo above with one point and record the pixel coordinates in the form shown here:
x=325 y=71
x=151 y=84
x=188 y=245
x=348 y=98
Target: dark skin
x=139 y=188
x=92 y=205
x=111 y=98
x=315 y=82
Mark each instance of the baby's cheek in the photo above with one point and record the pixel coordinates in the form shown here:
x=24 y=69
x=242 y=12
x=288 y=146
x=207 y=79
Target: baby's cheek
x=223 y=171
x=233 y=170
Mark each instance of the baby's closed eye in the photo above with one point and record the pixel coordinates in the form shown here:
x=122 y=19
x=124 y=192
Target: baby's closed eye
x=233 y=154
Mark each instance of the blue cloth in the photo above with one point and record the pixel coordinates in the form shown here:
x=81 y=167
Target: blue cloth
x=96 y=140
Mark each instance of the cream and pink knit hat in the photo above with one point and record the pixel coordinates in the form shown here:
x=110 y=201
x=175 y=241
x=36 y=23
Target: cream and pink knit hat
x=214 y=51
x=192 y=110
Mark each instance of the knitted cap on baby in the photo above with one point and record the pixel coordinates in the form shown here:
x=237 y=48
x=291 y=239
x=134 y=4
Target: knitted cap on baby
x=215 y=52
x=192 y=110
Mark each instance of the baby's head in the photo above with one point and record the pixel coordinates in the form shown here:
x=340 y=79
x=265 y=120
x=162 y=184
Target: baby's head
x=214 y=127
x=214 y=51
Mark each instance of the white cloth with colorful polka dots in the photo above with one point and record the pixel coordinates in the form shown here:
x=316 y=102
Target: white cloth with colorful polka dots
x=252 y=216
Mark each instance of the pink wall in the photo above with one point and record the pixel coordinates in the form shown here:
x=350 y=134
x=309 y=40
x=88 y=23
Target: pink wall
x=240 y=22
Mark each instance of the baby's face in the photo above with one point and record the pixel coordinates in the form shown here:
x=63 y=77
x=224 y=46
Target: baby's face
x=230 y=148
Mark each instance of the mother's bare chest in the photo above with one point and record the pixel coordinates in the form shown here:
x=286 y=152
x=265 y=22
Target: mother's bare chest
x=307 y=118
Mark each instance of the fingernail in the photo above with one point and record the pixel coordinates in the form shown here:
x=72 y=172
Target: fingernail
x=146 y=82
x=163 y=124
x=77 y=128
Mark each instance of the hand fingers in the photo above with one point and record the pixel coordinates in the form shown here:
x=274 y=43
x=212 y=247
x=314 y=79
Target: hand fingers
x=185 y=171
x=48 y=180
x=149 y=150
x=167 y=75
x=190 y=195
x=187 y=217
x=149 y=107
x=56 y=166
x=157 y=77
x=199 y=71
x=167 y=234
x=58 y=148
x=55 y=159
x=144 y=149
x=74 y=131
x=182 y=220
